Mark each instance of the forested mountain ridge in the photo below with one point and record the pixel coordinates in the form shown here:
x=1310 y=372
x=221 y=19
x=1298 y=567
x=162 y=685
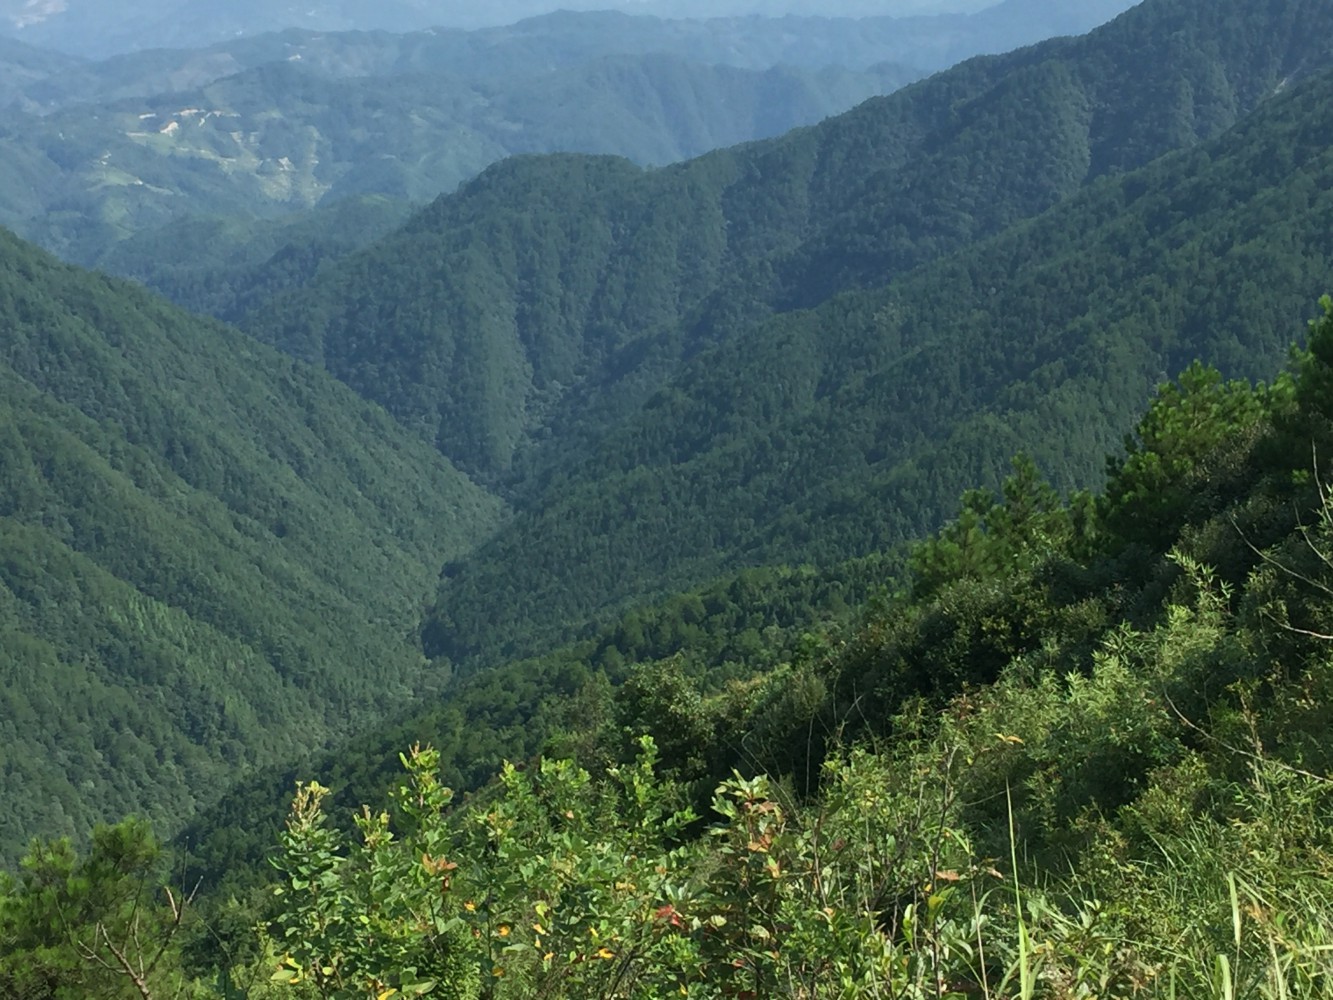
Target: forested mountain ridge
x=1100 y=723
x=1097 y=721
x=515 y=270
x=851 y=426
x=497 y=324
x=223 y=520
x=212 y=557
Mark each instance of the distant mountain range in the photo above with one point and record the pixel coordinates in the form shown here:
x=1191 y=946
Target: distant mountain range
x=40 y=80
x=98 y=29
x=281 y=138
x=92 y=153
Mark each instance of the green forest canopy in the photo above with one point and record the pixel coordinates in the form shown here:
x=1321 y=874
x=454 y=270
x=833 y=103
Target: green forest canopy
x=1112 y=712
x=212 y=557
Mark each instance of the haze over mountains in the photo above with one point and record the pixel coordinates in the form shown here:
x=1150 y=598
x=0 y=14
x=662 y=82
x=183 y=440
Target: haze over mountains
x=279 y=139
x=95 y=153
x=98 y=29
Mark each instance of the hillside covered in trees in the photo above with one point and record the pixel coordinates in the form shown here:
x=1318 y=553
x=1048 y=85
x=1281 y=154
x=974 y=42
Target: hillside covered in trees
x=217 y=559
x=855 y=423
x=618 y=349
x=1084 y=749
x=212 y=557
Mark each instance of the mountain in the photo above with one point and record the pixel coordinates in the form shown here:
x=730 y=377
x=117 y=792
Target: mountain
x=1056 y=677
x=81 y=28
x=1143 y=714
x=44 y=81
x=654 y=438
x=194 y=469
x=548 y=249
x=23 y=68
x=211 y=558
x=224 y=266
x=94 y=152
x=822 y=434
x=280 y=138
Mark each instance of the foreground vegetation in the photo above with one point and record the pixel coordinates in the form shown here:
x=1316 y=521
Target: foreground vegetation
x=1084 y=753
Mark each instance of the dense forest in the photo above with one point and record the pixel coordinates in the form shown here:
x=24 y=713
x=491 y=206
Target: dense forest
x=1079 y=752
x=855 y=423
x=499 y=323
x=529 y=266
x=212 y=557
x=889 y=559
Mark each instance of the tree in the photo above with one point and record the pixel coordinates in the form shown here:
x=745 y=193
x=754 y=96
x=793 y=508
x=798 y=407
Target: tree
x=103 y=924
x=991 y=538
x=1195 y=425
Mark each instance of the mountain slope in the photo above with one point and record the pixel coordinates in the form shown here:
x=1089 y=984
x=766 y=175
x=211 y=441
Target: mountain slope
x=575 y=288
x=820 y=434
x=212 y=558
x=24 y=68
x=1147 y=714
x=222 y=266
